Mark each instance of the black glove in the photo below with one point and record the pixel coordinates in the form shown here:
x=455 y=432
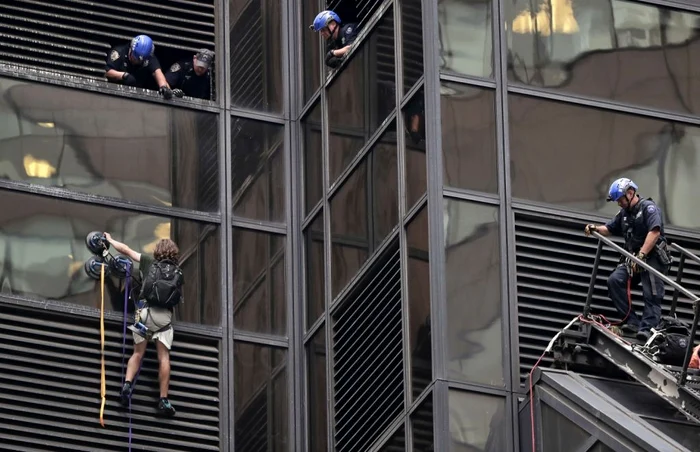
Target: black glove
x=166 y=92
x=416 y=136
x=332 y=60
x=177 y=92
x=633 y=265
x=590 y=228
x=128 y=79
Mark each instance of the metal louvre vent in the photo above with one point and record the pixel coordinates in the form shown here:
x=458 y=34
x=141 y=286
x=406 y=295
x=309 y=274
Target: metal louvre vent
x=247 y=57
x=74 y=36
x=368 y=357
x=50 y=388
x=554 y=264
x=412 y=39
x=357 y=11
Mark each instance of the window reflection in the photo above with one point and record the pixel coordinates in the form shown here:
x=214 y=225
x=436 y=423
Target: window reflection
x=412 y=41
x=362 y=96
x=473 y=281
x=466 y=45
x=612 y=49
x=477 y=422
x=108 y=146
x=315 y=271
x=469 y=137
x=422 y=426
x=313 y=158
x=42 y=252
x=260 y=403
x=414 y=128
x=258 y=176
x=256 y=54
x=259 y=282
x=317 y=412
x=568 y=155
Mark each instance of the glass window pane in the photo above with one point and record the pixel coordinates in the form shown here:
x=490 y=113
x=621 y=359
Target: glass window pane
x=259 y=282
x=315 y=271
x=256 y=54
x=473 y=275
x=313 y=158
x=569 y=155
x=362 y=96
x=558 y=432
x=466 y=45
x=257 y=174
x=412 y=41
x=317 y=408
x=477 y=422
x=108 y=146
x=469 y=137
x=419 y=303
x=43 y=252
x=260 y=398
x=422 y=426
x=414 y=128
x=617 y=50
x=310 y=49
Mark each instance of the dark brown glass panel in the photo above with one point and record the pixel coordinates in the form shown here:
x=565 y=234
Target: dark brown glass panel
x=260 y=398
x=257 y=174
x=477 y=422
x=310 y=49
x=414 y=133
x=466 y=45
x=108 y=146
x=42 y=241
x=616 y=50
x=473 y=280
x=362 y=96
x=419 y=303
x=469 y=137
x=317 y=408
x=422 y=426
x=569 y=155
x=256 y=54
x=313 y=157
x=560 y=433
x=315 y=271
x=259 y=298
x=412 y=41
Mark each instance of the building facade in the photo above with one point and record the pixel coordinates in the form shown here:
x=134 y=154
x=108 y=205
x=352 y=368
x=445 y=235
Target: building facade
x=375 y=256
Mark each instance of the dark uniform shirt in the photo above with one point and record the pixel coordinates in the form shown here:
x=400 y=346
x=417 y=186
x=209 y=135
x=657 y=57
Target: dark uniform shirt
x=181 y=75
x=346 y=36
x=118 y=59
x=635 y=224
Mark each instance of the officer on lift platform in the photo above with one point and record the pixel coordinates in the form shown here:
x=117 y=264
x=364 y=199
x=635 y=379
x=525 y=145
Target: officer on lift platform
x=191 y=77
x=639 y=222
x=340 y=39
x=135 y=64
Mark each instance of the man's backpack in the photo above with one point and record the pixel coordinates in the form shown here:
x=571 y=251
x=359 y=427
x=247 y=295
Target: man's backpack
x=670 y=344
x=162 y=285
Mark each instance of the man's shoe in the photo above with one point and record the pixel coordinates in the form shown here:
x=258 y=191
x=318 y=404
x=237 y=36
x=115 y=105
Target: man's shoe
x=644 y=335
x=629 y=329
x=125 y=394
x=165 y=408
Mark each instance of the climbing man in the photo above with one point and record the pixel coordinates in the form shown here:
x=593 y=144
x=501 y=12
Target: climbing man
x=135 y=64
x=640 y=223
x=339 y=39
x=157 y=319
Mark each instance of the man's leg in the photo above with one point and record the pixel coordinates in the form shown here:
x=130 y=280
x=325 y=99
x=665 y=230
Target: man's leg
x=131 y=368
x=617 y=290
x=164 y=405
x=653 y=290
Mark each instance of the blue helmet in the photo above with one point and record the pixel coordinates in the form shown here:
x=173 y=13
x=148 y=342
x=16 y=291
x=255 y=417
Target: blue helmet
x=322 y=19
x=620 y=187
x=142 y=48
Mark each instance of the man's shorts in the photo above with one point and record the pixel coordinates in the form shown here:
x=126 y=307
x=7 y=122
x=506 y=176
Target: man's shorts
x=155 y=319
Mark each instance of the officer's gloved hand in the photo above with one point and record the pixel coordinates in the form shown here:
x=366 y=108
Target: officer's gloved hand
x=177 y=92
x=590 y=228
x=166 y=92
x=128 y=79
x=416 y=136
x=633 y=265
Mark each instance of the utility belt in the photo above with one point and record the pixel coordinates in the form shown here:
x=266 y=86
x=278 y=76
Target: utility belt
x=661 y=252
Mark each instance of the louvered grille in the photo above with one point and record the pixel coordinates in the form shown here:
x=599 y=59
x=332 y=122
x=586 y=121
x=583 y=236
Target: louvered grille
x=367 y=356
x=422 y=426
x=247 y=57
x=50 y=388
x=554 y=265
x=358 y=11
x=74 y=36
x=412 y=38
x=397 y=443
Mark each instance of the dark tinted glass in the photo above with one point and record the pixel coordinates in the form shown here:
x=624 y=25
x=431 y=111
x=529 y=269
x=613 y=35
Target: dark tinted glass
x=469 y=137
x=477 y=422
x=364 y=211
x=256 y=54
x=569 y=155
x=313 y=157
x=414 y=132
x=315 y=271
x=259 y=298
x=618 y=50
x=473 y=275
x=685 y=434
x=422 y=426
x=419 y=303
x=108 y=146
x=465 y=37
x=412 y=41
x=559 y=433
x=42 y=241
x=260 y=402
x=317 y=412
x=310 y=48
x=362 y=96
x=257 y=170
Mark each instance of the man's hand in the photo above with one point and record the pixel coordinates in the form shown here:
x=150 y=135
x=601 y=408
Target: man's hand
x=633 y=265
x=178 y=92
x=128 y=79
x=166 y=92
x=589 y=229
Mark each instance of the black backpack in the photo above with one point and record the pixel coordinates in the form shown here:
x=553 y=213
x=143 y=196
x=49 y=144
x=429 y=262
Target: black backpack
x=162 y=285
x=670 y=345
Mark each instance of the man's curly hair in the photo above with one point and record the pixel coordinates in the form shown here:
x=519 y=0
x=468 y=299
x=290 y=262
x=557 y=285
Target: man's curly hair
x=166 y=249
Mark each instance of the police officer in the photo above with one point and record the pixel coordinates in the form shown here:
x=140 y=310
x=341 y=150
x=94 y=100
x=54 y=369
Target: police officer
x=135 y=64
x=191 y=77
x=340 y=39
x=639 y=222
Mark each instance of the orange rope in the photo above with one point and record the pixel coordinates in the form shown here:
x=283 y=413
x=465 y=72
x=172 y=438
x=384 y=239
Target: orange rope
x=103 y=384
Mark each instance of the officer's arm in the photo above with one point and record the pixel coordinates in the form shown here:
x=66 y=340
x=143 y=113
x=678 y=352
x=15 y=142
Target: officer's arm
x=603 y=230
x=653 y=223
x=160 y=78
x=123 y=248
x=650 y=241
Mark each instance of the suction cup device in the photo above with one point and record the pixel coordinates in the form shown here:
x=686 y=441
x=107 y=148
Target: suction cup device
x=92 y=267
x=119 y=264
x=97 y=243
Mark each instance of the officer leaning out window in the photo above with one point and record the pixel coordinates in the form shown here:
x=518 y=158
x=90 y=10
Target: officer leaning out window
x=135 y=64
x=339 y=38
x=191 y=76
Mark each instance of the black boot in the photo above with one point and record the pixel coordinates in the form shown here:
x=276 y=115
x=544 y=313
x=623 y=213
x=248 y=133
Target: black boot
x=125 y=394
x=165 y=408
